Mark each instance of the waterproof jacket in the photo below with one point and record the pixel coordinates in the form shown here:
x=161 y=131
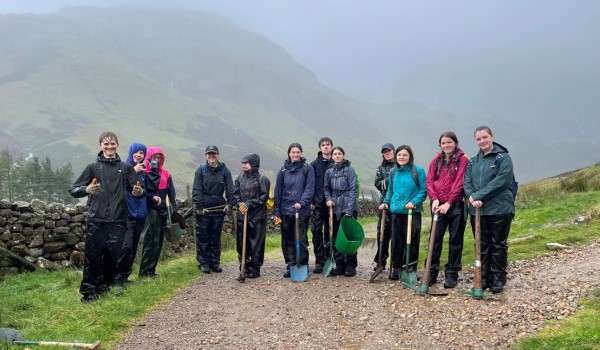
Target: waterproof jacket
x=293 y=187
x=137 y=208
x=159 y=183
x=445 y=180
x=486 y=182
x=115 y=178
x=320 y=165
x=210 y=184
x=252 y=189
x=402 y=189
x=341 y=188
x=382 y=178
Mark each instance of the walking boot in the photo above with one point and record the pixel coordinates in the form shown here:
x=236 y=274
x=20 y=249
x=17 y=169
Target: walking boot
x=450 y=282
x=395 y=274
x=497 y=287
x=338 y=270
x=216 y=268
x=318 y=268
x=205 y=269
x=350 y=271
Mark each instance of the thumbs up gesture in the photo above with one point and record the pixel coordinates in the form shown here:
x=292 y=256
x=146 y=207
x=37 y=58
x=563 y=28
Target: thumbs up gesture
x=137 y=190
x=93 y=188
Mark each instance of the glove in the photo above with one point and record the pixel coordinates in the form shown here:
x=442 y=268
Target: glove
x=137 y=190
x=277 y=220
x=93 y=188
x=243 y=208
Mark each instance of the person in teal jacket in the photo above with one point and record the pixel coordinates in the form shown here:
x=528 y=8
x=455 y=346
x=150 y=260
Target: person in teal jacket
x=488 y=181
x=406 y=190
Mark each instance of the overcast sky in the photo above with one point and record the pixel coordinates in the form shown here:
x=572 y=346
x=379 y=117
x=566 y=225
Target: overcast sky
x=390 y=50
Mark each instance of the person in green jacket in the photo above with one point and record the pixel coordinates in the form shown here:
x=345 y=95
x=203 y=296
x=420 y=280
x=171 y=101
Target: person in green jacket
x=406 y=190
x=488 y=180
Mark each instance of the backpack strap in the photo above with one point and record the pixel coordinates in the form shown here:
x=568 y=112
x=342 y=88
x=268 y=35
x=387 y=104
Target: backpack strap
x=413 y=173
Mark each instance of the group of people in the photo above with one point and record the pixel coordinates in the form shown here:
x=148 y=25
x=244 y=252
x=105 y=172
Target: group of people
x=454 y=184
x=125 y=199
x=129 y=199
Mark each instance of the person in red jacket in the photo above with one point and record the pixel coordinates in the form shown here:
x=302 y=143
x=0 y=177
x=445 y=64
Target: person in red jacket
x=445 y=189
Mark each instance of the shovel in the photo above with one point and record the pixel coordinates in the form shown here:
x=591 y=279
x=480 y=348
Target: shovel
x=242 y=277
x=424 y=288
x=380 y=265
x=409 y=278
x=477 y=291
x=14 y=337
x=329 y=263
x=173 y=228
x=299 y=273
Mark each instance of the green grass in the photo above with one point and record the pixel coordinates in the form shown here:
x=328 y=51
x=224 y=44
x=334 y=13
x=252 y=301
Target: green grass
x=582 y=331
x=45 y=305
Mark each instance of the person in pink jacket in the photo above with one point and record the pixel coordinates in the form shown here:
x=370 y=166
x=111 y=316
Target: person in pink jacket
x=445 y=189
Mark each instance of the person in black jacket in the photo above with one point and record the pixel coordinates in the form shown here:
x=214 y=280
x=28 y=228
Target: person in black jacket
x=211 y=181
x=381 y=183
x=320 y=212
x=105 y=183
x=161 y=191
x=251 y=195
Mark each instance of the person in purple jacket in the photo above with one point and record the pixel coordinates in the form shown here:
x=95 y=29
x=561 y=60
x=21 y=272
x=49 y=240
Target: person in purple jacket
x=294 y=190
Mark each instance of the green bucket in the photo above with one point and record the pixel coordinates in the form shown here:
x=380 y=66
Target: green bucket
x=350 y=236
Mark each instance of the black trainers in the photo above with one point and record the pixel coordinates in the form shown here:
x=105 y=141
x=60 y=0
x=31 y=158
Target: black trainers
x=350 y=271
x=205 y=269
x=253 y=274
x=216 y=268
x=450 y=283
x=89 y=298
x=318 y=268
x=497 y=287
x=394 y=275
x=338 y=270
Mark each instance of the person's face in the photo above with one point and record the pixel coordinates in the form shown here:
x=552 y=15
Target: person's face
x=246 y=166
x=138 y=156
x=388 y=154
x=326 y=148
x=109 y=148
x=447 y=145
x=403 y=157
x=337 y=156
x=212 y=157
x=484 y=140
x=295 y=154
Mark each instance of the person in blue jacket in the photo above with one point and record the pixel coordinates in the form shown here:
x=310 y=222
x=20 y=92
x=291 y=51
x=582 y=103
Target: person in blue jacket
x=137 y=210
x=406 y=190
x=340 y=193
x=294 y=190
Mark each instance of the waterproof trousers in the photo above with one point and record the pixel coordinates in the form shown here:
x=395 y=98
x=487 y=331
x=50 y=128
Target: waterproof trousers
x=102 y=245
x=387 y=234
x=208 y=238
x=320 y=234
x=455 y=221
x=129 y=249
x=342 y=261
x=154 y=234
x=256 y=232
x=399 y=229
x=494 y=247
x=288 y=239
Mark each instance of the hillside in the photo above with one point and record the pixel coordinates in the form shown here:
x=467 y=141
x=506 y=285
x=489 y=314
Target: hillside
x=182 y=80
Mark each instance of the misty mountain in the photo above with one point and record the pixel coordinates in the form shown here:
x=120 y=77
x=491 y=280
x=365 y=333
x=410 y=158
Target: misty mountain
x=183 y=80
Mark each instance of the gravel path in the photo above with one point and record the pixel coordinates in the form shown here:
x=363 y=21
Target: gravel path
x=218 y=312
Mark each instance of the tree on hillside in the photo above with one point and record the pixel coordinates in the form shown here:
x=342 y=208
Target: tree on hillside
x=26 y=179
x=6 y=162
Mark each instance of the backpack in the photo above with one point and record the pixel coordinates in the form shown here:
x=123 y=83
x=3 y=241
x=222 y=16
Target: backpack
x=357 y=183
x=413 y=172
x=438 y=164
x=204 y=169
x=514 y=185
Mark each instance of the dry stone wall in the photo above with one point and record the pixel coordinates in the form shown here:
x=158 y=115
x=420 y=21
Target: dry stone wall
x=52 y=236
